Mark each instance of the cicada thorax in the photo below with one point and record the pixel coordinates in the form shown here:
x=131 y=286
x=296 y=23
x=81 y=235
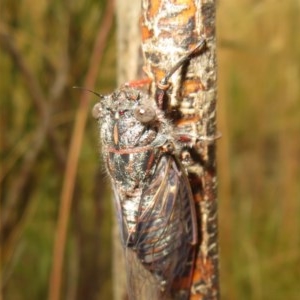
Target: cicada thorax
x=131 y=147
x=153 y=199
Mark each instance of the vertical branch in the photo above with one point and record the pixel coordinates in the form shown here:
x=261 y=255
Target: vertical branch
x=129 y=68
x=169 y=29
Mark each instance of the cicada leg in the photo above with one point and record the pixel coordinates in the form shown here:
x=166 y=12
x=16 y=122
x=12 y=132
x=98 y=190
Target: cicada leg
x=164 y=84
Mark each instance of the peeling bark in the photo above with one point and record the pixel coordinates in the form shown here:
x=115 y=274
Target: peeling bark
x=169 y=30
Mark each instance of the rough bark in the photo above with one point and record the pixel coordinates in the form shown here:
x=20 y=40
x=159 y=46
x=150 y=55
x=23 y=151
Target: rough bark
x=169 y=29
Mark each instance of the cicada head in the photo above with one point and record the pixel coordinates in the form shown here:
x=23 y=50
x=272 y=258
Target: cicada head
x=132 y=130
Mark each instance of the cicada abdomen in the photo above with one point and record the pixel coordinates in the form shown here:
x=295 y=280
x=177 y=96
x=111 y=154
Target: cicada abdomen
x=153 y=200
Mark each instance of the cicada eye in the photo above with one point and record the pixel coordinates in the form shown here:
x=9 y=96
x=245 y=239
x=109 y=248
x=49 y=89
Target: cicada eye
x=96 y=111
x=145 y=114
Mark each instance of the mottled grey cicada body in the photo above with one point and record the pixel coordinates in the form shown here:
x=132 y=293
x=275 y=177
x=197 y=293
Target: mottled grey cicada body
x=153 y=199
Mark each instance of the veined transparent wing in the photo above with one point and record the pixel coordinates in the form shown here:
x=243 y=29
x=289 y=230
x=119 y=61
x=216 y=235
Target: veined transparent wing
x=158 y=252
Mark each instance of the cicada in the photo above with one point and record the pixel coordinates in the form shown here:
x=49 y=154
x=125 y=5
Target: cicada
x=152 y=195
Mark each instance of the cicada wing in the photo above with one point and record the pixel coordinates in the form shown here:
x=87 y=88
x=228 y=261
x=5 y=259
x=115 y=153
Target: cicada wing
x=141 y=284
x=119 y=214
x=166 y=227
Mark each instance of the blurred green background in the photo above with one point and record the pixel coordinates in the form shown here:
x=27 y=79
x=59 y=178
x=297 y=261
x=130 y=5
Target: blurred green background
x=45 y=50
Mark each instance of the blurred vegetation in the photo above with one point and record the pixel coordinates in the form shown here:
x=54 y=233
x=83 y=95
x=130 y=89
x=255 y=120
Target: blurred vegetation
x=259 y=153
x=45 y=50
